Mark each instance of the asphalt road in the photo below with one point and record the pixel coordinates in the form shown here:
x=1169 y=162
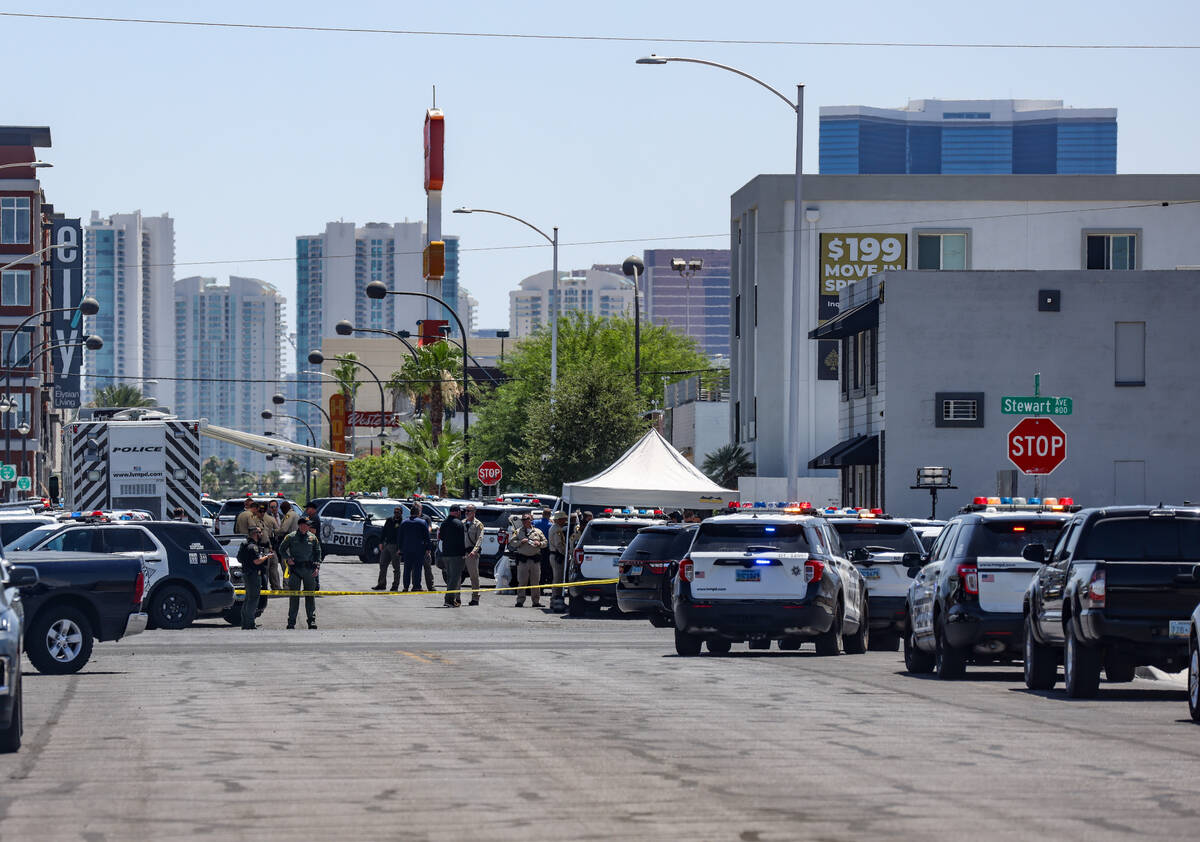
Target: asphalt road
x=399 y=719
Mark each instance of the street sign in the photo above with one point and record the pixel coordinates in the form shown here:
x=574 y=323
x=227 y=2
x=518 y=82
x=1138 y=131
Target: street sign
x=8 y=473
x=24 y=483
x=1037 y=446
x=1034 y=405
x=490 y=473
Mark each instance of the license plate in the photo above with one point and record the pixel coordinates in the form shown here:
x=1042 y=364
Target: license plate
x=1180 y=628
x=870 y=572
x=749 y=576
x=636 y=570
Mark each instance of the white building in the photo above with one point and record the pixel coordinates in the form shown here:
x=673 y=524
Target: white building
x=228 y=359
x=857 y=225
x=129 y=268
x=468 y=310
x=593 y=291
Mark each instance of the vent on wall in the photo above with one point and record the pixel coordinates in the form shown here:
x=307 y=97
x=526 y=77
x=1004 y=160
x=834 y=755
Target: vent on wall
x=958 y=409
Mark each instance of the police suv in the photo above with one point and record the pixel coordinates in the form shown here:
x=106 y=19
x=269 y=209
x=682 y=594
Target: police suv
x=969 y=607
x=769 y=574
x=352 y=525
x=884 y=550
x=598 y=554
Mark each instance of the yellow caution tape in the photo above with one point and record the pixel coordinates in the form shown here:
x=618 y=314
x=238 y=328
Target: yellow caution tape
x=242 y=592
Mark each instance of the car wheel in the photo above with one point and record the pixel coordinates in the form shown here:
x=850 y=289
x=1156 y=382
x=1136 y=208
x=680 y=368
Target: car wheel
x=789 y=644
x=1194 y=681
x=949 y=663
x=661 y=620
x=61 y=641
x=370 y=551
x=1118 y=669
x=916 y=660
x=173 y=607
x=885 y=642
x=10 y=737
x=687 y=644
x=861 y=640
x=718 y=646
x=576 y=607
x=1081 y=667
x=1041 y=665
x=830 y=642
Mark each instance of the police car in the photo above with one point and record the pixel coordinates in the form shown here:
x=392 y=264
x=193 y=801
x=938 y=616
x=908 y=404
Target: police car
x=598 y=554
x=352 y=525
x=884 y=550
x=969 y=607
x=773 y=573
x=496 y=521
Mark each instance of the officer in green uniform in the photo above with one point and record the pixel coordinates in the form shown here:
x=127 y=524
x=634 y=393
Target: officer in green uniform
x=301 y=552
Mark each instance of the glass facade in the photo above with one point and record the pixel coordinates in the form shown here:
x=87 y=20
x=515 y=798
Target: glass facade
x=699 y=306
x=968 y=142
x=450 y=286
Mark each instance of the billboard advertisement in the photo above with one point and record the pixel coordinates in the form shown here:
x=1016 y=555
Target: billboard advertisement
x=66 y=290
x=845 y=259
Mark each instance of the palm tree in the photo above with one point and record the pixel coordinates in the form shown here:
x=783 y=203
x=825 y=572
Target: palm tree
x=425 y=458
x=120 y=394
x=725 y=464
x=431 y=375
x=347 y=372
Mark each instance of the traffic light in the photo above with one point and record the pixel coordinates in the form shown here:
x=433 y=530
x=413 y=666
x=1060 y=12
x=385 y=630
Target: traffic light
x=433 y=260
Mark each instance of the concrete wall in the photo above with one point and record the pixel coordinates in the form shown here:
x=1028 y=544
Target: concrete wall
x=982 y=332
x=1013 y=222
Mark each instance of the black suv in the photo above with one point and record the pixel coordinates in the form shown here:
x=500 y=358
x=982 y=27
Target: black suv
x=186 y=569
x=971 y=608
x=646 y=571
x=1116 y=592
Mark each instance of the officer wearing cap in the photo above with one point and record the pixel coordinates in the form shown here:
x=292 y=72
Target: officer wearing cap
x=301 y=552
x=558 y=551
x=253 y=555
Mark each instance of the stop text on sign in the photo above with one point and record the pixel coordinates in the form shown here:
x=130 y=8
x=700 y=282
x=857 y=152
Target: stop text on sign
x=490 y=472
x=1037 y=445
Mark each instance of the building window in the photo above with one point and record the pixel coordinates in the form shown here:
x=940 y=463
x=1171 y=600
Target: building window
x=942 y=251
x=12 y=420
x=14 y=288
x=1130 y=354
x=858 y=361
x=20 y=347
x=1110 y=251
x=958 y=409
x=14 y=219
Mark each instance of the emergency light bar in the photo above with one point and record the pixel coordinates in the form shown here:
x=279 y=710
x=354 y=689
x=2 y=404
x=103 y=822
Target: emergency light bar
x=1022 y=504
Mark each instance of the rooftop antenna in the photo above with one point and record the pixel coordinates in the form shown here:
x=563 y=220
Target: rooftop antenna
x=435 y=96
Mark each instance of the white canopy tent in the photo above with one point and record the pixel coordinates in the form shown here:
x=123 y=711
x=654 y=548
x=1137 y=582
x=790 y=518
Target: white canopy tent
x=650 y=474
x=270 y=444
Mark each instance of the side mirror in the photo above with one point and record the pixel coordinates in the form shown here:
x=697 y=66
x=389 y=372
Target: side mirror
x=1034 y=552
x=859 y=554
x=914 y=560
x=913 y=571
x=22 y=577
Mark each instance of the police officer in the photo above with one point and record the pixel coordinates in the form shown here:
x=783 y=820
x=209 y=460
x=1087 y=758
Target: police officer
x=389 y=550
x=253 y=555
x=452 y=535
x=473 y=530
x=527 y=542
x=301 y=552
x=557 y=540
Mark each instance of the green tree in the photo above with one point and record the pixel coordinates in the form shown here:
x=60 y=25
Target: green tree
x=725 y=464
x=595 y=418
x=604 y=346
x=432 y=375
x=411 y=465
x=120 y=394
x=347 y=372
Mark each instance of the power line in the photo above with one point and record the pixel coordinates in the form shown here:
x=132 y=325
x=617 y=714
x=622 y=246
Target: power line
x=624 y=39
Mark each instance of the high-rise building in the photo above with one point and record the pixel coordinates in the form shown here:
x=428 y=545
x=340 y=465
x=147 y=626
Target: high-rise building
x=129 y=268
x=598 y=293
x=1003 y=136
x=450 y=288
x=468 y=310
x=332 y=273
x=695 y=302
x=228 y=359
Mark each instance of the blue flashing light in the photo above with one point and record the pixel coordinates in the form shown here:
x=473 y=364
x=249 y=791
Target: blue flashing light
x=768 y=529
x=1007 y=501
x=759 y=504
x=762 y=561
x=1035 y=501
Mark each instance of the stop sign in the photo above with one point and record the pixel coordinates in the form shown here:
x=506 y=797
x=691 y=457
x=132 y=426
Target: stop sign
x=1037 y=445
x=490 y=472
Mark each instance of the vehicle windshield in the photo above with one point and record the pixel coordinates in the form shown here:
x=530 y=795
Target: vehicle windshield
x=750 y=537
x=610 y=534
x=1143 y=538
x=928 y=535
x=382 y=511
x=14 y=529
x=879 y=537
x=1009 y=537
x=658 y=546
x=33 y=537
x=212 y=506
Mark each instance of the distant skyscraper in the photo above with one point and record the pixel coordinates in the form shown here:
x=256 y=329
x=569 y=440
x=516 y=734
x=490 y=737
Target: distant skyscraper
x=969 y=136
x=697 y=306
x=468 y=310
x=450 y=288
x=332 y=273
x=599 y=293
x=228 y=360
x=129 y=268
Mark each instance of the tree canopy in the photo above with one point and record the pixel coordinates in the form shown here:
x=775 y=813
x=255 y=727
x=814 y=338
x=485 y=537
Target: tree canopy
x=120 y=394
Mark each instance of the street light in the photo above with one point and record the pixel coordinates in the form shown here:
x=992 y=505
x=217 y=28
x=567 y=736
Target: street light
x=502 y=335
x=633 y=266
x=377 y=290
x=801 y=357
x=33 y=165
x=317 y=358
x=554 y=303
x=687 y=270
x=346 y=328
x=312 y=439
x=280 y=400
x=25 y=259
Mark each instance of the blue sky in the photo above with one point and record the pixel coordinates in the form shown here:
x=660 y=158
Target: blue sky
x=248 y=138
